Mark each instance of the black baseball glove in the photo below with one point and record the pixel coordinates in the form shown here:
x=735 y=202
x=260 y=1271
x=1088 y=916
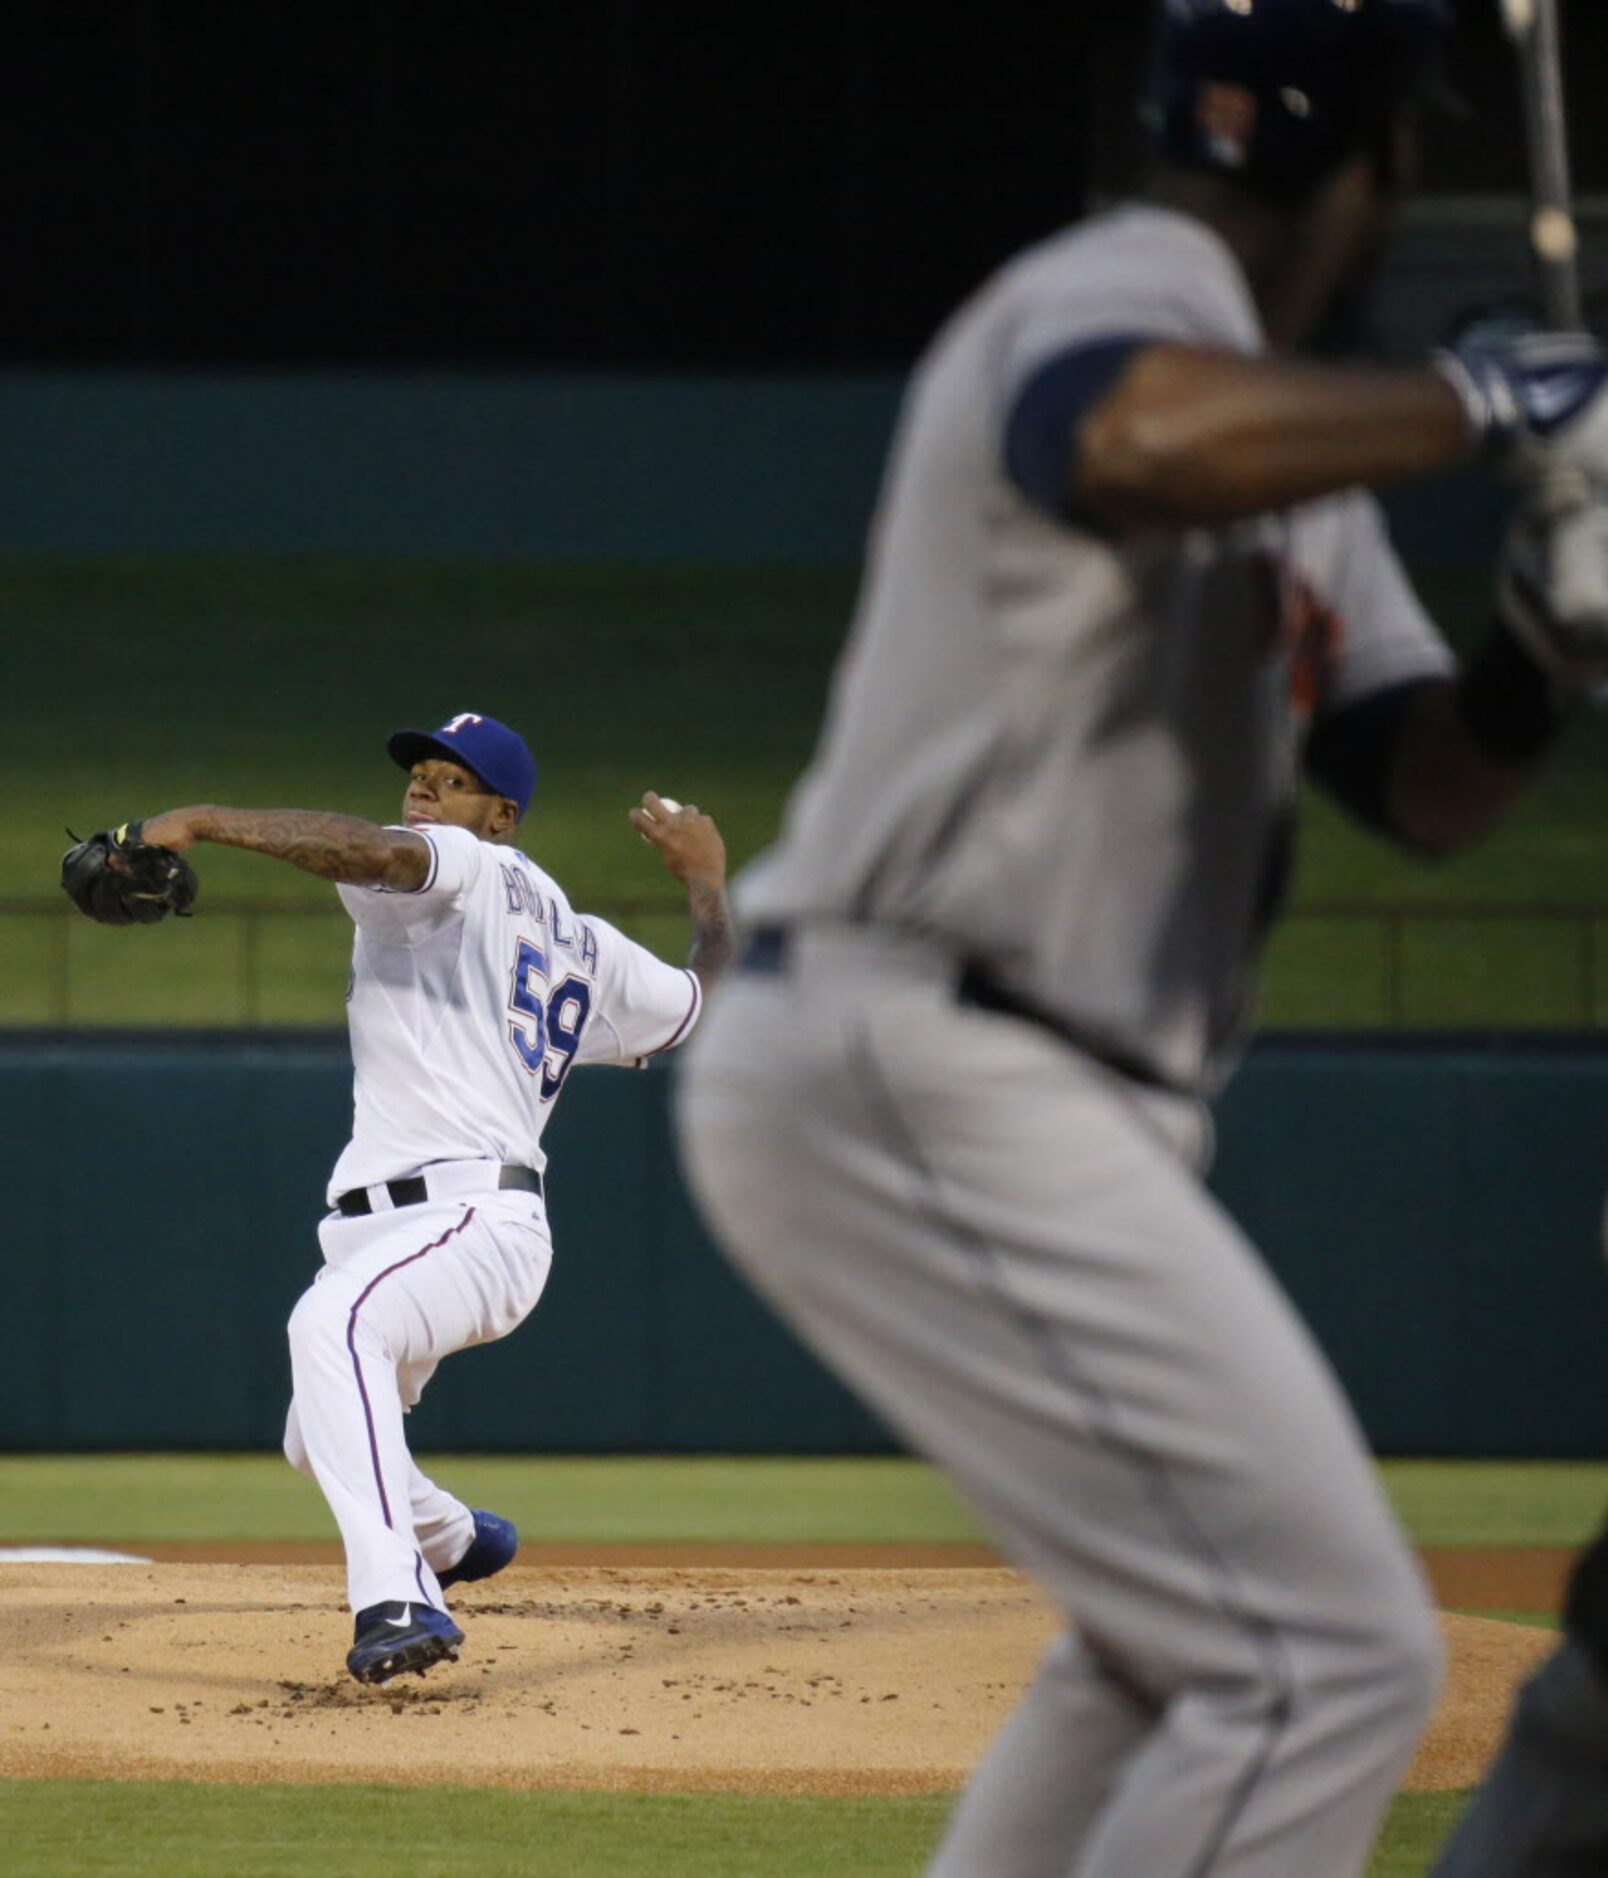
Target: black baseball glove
x=119 y=880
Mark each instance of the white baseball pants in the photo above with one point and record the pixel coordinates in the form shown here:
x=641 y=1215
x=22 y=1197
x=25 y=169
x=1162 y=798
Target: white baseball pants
x=400 y=1290
x=1007 y=1250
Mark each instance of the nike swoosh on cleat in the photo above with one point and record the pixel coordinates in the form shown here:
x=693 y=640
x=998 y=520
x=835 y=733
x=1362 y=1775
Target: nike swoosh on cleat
x=400 y=1623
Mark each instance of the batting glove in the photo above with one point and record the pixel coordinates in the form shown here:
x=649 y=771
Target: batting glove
x=1552 y=581
x=1535 y=400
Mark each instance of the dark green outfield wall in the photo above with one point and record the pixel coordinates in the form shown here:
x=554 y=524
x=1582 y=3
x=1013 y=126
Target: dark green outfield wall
x=1435 y=1209
x=737 y=469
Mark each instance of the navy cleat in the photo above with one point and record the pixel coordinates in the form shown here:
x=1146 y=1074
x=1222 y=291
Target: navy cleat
x=394 y=1638
x=493 y=1546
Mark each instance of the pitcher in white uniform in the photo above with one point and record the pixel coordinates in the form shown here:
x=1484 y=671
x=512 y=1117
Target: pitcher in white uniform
x=1124 y=582
x=476 y=989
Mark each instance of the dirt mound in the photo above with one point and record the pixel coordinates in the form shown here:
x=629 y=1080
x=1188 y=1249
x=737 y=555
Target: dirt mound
x=783 y=1681
x=1504 y=1578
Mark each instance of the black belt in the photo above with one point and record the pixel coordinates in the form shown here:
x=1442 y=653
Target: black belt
x=766 y=951
x=769 y=949
x=416 y=1189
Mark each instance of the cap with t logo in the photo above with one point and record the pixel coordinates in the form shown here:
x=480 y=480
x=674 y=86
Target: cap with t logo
x=496 y=754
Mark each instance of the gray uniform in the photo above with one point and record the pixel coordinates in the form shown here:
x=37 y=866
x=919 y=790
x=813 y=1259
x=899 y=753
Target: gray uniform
x=951 y=1124
x=1075 y=762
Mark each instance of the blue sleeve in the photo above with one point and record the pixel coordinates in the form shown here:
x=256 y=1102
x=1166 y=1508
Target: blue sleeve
x=1048 y=410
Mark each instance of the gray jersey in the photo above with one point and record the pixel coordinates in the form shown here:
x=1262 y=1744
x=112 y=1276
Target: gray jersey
x=1073 y=759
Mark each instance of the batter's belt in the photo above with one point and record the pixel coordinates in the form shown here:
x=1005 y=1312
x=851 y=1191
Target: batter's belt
x=770 y=953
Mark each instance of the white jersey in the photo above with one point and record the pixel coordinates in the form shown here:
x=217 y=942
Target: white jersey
x=1070 y=758
x=471 y=1000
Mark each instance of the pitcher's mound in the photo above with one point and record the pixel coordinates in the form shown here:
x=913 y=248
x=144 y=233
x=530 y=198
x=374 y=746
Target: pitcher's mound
x=780 y=1681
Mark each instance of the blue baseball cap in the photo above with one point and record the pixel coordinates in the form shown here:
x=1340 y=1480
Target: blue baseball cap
x=496 y=754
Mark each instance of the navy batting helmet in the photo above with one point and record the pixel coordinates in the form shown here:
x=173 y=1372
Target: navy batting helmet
x=1279 y=92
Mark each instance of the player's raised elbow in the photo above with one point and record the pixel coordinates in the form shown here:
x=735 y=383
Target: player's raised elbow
x=1427 y=838
x=1434 y=829
x=1445 y=788
x=401 y=860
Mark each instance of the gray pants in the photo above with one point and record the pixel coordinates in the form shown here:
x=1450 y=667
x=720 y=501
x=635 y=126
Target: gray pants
x=1007 y=1250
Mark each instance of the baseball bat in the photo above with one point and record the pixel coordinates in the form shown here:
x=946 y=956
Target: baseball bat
x=1554 y=242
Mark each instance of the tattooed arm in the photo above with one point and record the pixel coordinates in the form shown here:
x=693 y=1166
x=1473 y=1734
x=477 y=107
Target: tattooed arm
x=335 y=847
x=713 y=934
x=691 y=848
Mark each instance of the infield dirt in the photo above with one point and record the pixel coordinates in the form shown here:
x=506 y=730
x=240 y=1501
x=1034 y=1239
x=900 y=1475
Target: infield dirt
x=778 y=1680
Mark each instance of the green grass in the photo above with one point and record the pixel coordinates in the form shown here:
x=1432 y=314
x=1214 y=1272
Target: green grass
x=1414 y=1831
x=66 y=1828
x=60 y=1828
x=1532 y=1620
x=1498 y=1502
x=275 y=682
x=176 y=1831
x=79 y=1499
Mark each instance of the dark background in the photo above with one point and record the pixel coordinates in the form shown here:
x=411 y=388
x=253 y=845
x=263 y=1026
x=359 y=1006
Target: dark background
x=618 y=185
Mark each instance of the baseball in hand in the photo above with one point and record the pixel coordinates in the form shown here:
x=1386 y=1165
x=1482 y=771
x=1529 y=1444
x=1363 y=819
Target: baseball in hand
x=669 y=804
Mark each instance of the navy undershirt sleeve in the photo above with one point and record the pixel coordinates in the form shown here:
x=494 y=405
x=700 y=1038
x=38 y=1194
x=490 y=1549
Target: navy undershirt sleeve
x=1047 y=412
